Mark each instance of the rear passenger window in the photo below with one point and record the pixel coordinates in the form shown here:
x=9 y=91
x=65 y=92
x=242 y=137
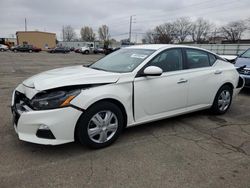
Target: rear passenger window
x=212 y=59
x=197 y=58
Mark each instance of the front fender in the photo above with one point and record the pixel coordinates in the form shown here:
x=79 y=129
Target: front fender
x=121 y=92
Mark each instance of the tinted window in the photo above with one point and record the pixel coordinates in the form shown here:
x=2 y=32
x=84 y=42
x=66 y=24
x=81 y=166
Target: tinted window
x=197 y=58
x=212 y=59
x=169 y=60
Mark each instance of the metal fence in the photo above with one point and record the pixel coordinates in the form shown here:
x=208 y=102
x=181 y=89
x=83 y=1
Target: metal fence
x=224 y=49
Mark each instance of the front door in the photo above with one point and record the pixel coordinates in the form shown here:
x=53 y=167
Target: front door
x=161 y=96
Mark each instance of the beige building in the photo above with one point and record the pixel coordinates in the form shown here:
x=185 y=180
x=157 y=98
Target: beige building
x=43 y=40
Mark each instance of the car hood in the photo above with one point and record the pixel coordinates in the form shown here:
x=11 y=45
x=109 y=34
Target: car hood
x=70 y=76
x=242 y=61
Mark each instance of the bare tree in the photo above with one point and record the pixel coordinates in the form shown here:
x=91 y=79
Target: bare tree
x=104 y=35
x=200 y=30
x=149 y=38
x=233 y=30
x=68 y=33
x=163 y=34
x=87 y=34
x=182 y=27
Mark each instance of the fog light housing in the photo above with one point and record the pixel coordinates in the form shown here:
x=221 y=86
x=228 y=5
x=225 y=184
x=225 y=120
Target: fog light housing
x=44 y=132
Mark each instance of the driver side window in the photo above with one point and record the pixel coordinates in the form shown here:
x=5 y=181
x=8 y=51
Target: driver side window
x=169 y=60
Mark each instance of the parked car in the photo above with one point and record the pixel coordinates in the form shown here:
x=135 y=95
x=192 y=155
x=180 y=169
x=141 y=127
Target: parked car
x=99 y=51
x=25 y=48
x=59 y=50
x=110 y=50
x=3 y=47
x=244 y=60
x=77 y=50
x=131 y=86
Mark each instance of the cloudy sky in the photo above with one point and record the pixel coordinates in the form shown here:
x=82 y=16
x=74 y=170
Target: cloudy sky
x=51 y=15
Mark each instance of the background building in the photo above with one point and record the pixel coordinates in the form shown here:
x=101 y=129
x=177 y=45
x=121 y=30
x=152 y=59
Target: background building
x=43 y=40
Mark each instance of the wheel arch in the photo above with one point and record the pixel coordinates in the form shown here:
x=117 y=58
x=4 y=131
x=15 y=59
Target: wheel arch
x=111 y=100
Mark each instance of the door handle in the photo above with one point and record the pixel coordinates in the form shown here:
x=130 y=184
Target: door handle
x=218 y=72
x=182 y=80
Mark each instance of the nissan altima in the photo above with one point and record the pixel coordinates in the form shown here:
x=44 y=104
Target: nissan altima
x=134 y=85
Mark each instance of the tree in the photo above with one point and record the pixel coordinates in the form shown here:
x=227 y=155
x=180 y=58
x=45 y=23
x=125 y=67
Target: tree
x=104 y=35
x=149 y=38
x=68 y=33
x=200 y=30
x=163 y=34
x=182 y=27
x=87 y=34
x=233 y=30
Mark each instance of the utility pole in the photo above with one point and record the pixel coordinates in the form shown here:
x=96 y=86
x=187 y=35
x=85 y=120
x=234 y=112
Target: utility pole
x=130 y=27
x=25 y=23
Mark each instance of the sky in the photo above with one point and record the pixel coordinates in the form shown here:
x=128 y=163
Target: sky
x=52 y=15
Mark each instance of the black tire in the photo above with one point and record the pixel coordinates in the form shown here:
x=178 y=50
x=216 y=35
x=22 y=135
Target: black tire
x=30 y=51
x=2 y=50
x=86 y=52
x=15 y=51
x=84 y=122
x=217 y=108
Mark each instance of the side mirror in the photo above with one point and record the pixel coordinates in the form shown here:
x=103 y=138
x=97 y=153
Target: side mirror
x=152 y=71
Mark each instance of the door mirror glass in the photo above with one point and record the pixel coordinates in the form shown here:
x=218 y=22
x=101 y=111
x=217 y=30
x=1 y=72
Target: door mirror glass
x=152 y=71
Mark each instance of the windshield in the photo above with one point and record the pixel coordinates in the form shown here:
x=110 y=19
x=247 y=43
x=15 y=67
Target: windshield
x=123 y=60
x=246 y=54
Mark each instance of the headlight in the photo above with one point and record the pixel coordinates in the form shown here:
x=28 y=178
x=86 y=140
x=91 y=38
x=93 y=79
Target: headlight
x=55 y=99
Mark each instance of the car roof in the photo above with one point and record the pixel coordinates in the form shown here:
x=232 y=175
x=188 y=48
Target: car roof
x=159 y=46
x=166 y=46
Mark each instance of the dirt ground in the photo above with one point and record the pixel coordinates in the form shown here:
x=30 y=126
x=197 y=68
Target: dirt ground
x=194 y=150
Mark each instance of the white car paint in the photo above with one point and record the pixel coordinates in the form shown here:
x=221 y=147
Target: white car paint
x=191 y=90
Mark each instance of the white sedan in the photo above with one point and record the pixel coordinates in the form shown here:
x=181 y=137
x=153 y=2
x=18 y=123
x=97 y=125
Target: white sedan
x=131 y=86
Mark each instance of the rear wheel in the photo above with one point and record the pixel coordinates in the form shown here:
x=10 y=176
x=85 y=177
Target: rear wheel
x=15 y=50
x=222 y=100
x=30 y=51
x=86 y=52
x=2 y=50
x=100 y=125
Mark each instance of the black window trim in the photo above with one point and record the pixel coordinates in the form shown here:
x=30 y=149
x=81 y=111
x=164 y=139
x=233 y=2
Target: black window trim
x=184 y=62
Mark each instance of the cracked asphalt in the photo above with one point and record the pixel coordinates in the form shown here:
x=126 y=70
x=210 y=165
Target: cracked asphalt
x=193 y=150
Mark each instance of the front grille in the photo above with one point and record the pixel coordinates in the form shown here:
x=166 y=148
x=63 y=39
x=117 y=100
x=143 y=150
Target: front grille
x=21 y=99
x=244 y=71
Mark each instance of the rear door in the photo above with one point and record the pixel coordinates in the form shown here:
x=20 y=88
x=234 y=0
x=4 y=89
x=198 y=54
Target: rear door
x=203 y=77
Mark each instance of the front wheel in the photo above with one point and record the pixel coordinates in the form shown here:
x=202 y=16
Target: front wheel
x=222 y=100
x=86 y=52
x=100 y=125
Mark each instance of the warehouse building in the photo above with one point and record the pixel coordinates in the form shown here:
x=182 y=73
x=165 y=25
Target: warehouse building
x=43 y=40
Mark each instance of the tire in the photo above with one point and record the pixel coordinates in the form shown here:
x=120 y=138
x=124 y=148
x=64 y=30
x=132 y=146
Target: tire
x=103 y=134
x=222 y=101
x=2 y=50
x=86 y=52
x=15 y=51
x=30 y=51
